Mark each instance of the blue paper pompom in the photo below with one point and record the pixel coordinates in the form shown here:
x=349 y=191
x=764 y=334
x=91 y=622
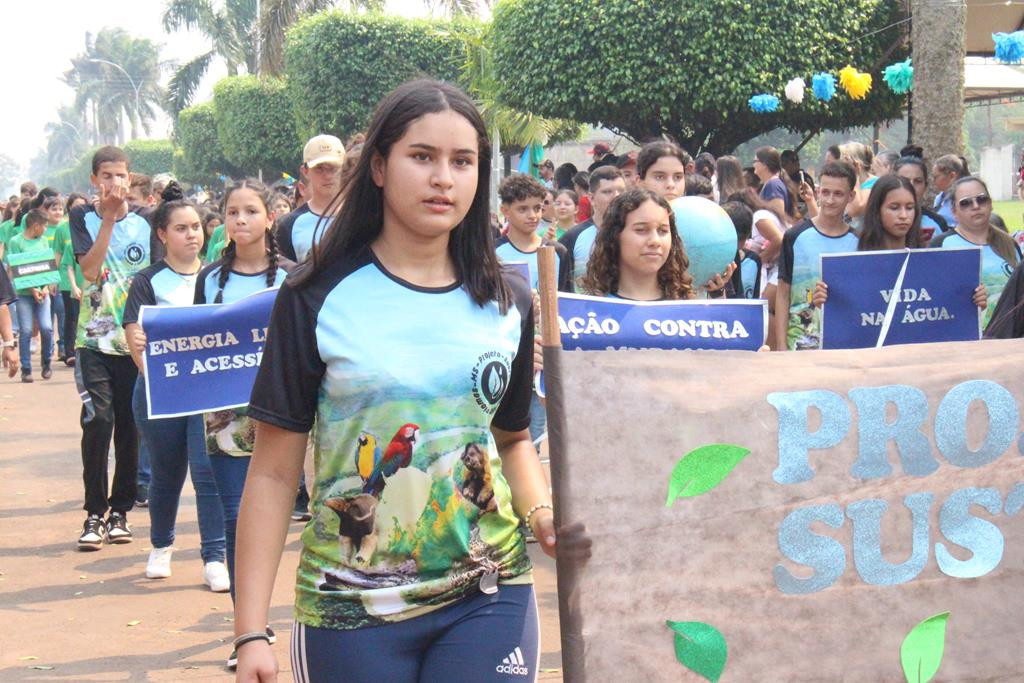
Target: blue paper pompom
x=1009 y=47
x=764 y=103
x=899 y=77
x=824 y=86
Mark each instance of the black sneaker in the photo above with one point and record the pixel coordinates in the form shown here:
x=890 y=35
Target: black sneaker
x=26 y=378
x=47 y=372
x=142 y=495
x=117 y=528
x=93 y=533
x=301 y=515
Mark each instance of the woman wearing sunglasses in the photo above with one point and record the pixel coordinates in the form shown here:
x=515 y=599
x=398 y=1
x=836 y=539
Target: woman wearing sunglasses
x=972 y=208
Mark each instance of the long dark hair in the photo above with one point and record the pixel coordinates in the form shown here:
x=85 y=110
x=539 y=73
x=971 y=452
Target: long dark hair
x=361 y=216
x=602 y=275
x=872 y=232
x=227 y=258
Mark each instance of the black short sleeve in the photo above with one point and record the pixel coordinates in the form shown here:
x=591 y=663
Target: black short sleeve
x=513 y=413
x=283 y=233
x=81 y=240
x=288 y=382
x=139 y=294
x=7 y=294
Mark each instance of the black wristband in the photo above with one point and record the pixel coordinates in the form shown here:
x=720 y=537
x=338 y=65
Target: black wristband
x=250 y=637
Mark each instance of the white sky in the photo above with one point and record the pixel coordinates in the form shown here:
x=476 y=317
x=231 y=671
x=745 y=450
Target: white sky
x=39 y=41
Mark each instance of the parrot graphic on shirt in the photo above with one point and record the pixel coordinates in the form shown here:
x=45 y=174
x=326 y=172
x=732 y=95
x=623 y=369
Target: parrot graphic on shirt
x=397 y=455
x=367 y=455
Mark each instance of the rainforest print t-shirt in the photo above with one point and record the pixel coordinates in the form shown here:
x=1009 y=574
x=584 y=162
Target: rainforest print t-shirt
x=230 y=431
x=410 y=507
x=131 y=244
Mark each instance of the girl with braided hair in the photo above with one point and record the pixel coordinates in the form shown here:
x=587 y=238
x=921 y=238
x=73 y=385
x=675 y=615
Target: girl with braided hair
x=250 y=263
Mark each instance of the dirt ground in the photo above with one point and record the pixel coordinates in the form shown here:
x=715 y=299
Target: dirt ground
x=67 y=615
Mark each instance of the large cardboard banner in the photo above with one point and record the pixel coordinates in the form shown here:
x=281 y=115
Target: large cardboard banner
x=878 y=298
x=792 y=516
x=203 y=358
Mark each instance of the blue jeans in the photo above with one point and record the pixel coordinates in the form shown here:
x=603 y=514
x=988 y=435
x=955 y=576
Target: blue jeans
x=13 y=308
x=178 y=445
x=478 y=639
x=57 y=306
x=144 y=469
x=230 y=472
x=538 y=417
x=29 y=308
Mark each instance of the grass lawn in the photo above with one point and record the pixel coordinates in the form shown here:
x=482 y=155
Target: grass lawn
x=1012 y=212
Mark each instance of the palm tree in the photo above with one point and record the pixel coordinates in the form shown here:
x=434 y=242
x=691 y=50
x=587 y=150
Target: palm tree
x=231 y=29
x=457 y=8
x=277 y=15
x=65 y=137
x=116 y=78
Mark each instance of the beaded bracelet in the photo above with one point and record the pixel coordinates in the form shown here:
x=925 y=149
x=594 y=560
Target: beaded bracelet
x=529 y=515
x=249 y=637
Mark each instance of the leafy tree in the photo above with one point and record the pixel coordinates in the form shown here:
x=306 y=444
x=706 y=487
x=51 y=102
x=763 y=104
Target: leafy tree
x=201 y=159
x=255 y=125
x=9 y=173
x=687 y=69
x=340 y=65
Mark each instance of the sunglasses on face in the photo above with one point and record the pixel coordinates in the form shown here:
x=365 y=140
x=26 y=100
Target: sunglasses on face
x=977 y=200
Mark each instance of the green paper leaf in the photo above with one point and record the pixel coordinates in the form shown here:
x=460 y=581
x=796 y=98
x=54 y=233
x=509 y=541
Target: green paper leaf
x=700 y=648
x=702 y=469
x=921 y=652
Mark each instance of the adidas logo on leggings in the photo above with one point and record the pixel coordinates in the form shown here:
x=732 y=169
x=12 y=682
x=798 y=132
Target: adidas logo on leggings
x=513 y=664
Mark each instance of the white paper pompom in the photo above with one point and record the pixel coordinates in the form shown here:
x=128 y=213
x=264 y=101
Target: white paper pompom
x=795 y=90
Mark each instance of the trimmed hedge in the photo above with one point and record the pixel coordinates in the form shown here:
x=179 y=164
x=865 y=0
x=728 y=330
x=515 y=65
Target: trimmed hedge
x=199 y=157
x=149 y=157
x=340 y=65
x=255 y=126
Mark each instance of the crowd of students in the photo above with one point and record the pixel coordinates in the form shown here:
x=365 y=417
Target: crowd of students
x=404 y=351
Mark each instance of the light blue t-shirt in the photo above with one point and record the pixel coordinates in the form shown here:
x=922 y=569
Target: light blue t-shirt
x=995 y=270
x=299 y=230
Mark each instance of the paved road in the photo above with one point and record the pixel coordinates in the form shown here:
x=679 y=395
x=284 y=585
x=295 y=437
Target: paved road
x=66 y=615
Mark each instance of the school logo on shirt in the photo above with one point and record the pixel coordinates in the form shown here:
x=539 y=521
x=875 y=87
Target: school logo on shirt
x=490 y=379
x=134 y=254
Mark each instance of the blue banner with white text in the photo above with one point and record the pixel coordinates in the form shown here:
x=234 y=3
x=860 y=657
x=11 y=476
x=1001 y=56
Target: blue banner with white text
x=203 y=358
x=881 y=298
x=591 y=323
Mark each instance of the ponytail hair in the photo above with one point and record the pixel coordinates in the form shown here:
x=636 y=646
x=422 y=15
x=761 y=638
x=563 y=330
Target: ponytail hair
x=173 y=198
x=1000 y=241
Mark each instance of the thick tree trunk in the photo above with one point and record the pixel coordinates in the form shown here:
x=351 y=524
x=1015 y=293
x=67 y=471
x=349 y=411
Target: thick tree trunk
x=937 y=39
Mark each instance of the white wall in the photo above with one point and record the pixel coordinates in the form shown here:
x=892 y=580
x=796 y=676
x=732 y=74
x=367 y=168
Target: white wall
x=998 y=172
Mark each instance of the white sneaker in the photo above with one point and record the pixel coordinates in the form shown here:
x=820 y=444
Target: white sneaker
x=215 y=575
x=159 y=564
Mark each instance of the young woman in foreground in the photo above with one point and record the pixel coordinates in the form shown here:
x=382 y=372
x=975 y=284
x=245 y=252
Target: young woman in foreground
x=404 y=342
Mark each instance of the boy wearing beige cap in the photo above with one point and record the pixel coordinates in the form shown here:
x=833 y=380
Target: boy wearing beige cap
x=297 y=232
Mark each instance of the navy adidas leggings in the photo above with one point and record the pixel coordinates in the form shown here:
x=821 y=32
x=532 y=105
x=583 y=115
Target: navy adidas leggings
x=478 y=639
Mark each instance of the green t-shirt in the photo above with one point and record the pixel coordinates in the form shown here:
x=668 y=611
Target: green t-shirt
x=66 y=257
x=7 y=231
x=217 y=242
x=20 y=244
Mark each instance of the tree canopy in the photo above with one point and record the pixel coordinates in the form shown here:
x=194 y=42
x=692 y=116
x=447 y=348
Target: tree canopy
x=255 y=126
x=687 y=69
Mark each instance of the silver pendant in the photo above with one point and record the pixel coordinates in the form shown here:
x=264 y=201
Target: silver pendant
x=489 y=582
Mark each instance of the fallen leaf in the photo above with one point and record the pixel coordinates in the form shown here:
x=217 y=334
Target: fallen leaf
x=40 y=667
x=191 y=666
x=173 y=631
x=27 y=658
x=229 y=619
x=79 y=592
x=51 y=500
x=134 y=622
x=83 y=576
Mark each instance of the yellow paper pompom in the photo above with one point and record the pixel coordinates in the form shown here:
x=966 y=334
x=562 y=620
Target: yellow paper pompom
x=855 y=83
